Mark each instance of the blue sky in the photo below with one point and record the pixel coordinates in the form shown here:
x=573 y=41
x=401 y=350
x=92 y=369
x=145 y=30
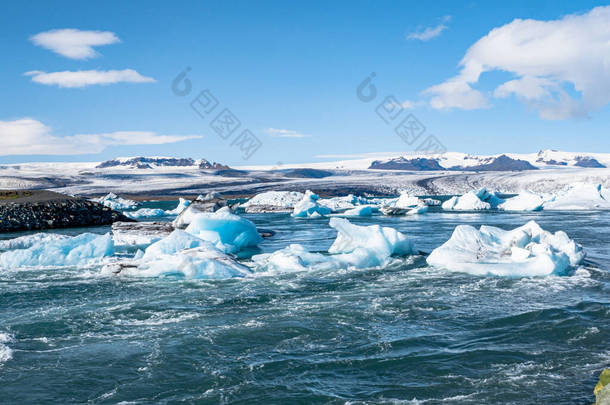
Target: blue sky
x=289 y=72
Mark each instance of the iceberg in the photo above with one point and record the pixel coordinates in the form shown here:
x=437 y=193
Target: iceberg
x=580 y=196
x=139 y=234
x=182 y=205
x=524 y=201
x=180 y=254
x=116 y=203
x=355 y=247
x=144 y=213
x=229 y=232
x=473 y=201
x=338 y=204
x=522 y=252
x=24 y=242
x=68 y=251
x=309 y=207
x=273 y=201
x=404 y=205
x=360 y=211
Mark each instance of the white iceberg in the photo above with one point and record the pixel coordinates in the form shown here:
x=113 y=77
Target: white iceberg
x=580 y=197
x=522 y=252
x=525 y=201
x=473 y=201
x=355 y=247
x=309 y=207
x=359 y=211
x=116 y=203
x=145 y=213
x=273 y=201
x=339 y=204
x=229 y=232
x=69 y=251
x=24 y=242
x=404 y=205
x=182 y=205
x=180 y=254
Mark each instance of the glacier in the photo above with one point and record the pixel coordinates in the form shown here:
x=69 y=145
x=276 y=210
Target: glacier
x=522 y=252
x=59 y=251
x=308 y=207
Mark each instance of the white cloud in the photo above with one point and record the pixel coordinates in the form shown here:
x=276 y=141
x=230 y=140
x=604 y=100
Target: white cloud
x=27 y=136
x=285 y=133
x=429 y=33
x=83 y=78
x=73 y=43
x=550 y=60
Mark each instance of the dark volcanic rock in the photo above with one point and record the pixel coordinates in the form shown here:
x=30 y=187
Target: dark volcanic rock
x=587 y=161
x=418 y=164
x=141 y=162
x=501 y=163
x=205 y=164
x=41 y=209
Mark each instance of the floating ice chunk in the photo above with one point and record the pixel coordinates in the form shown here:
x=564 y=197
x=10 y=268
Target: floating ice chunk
x=404 y=205
x=144 y=213
x=384 y=241
x=359 y=211
x=274 y=200
x=115 y=202
x=203 y=262
x=309 y=206
x=524 y=201
x=24 y=242
x=176 y=241
x=522 y=252
x=580 y=197
x=355 y=247
x=338 y=204
x=408 y=201
x=473 y=201
x=77 y=250
x=420 y=209
x=229 y=232
x=140 y=234
x=182 y=205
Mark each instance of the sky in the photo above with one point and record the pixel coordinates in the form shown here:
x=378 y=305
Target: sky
x=274 y=82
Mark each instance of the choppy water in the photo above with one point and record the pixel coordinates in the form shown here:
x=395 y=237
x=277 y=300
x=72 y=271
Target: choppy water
x=406 y=334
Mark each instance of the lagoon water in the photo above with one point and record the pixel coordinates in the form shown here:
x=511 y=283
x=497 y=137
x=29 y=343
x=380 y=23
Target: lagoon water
x=404 y=334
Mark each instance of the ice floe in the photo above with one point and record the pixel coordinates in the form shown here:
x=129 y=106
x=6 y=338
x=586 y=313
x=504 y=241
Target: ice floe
x=26 y=241
x=227 y=231
x=116 y=203
x=180 y=254
x=68 y=251
x=139 y=234
x=406 y=204
x=525 y=201
x=580 y=196
x=308 y=207
x=473 y=201
x=145 y=213
x=359 y=211
x=355 y=247
x=339 y=204
x=182 y=205
x=522 y=252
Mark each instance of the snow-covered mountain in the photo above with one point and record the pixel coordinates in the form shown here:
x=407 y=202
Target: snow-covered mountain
x=450 y=173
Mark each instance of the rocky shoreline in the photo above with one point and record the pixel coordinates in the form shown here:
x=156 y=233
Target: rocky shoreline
x=42 y=209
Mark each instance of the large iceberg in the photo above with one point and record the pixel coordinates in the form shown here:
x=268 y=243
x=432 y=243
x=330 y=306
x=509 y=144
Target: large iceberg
x=522 y=252
x=116 y=203
x=473 y=201
x=355 y=247
x=308 y=207
x=180 y=254
x=580 y=197
x=24 y=242
x=525 y=201
x=229 y=232
x=359 y=211
x=273 y=201
x=63 y=251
